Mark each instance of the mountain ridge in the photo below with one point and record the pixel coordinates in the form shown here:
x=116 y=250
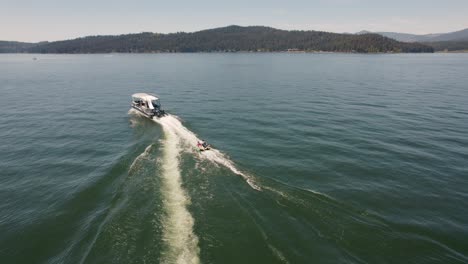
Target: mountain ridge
x=459 y=35
x=232 y=38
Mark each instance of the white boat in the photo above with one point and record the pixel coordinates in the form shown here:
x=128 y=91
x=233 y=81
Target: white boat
x=147 y=104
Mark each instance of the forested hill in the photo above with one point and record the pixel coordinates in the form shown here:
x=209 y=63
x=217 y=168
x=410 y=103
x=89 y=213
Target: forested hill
x=231 y=39
x=15 y=46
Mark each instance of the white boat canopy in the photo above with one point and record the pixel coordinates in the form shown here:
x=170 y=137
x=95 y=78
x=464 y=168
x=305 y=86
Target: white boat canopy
x=145 y=96
x=150 y=100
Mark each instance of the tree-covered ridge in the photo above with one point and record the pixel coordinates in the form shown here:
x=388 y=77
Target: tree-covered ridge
x=14 y=46
x=449 y=45
x=231 y=39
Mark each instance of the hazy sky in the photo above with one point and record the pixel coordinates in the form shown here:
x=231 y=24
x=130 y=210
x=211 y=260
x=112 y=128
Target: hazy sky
x=37 y=20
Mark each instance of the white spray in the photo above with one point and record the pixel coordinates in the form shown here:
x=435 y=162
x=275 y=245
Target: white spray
x=141 y=156
x=182 y=243
x=214 y=155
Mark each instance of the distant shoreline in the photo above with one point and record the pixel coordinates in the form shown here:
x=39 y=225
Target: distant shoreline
x=452 y=51
x=234 y=52
x=225 y=39
x=229 y=52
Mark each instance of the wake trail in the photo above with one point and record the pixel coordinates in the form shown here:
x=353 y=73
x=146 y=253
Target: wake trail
x=143 y=155
x=190 y=139
x=181 y=242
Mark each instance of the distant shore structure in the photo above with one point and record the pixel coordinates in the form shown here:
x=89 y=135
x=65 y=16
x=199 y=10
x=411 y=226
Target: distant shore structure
x=295 y=50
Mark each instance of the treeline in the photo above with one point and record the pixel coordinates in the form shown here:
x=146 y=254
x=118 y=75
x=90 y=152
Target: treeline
x=449 y=45
x=15 y=46
x=231 y=39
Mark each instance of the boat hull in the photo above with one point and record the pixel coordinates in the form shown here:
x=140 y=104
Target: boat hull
x=141 y=111
x=149 y=115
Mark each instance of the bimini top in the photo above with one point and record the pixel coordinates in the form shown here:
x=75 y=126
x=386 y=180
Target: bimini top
x=145 y=96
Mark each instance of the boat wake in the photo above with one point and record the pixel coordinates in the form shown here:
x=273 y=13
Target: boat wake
x=139 y=157
x=181 y=242
x=190 y=141
x=178 y=235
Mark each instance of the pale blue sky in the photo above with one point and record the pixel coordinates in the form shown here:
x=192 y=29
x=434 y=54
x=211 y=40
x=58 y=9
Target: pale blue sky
x=28 y=20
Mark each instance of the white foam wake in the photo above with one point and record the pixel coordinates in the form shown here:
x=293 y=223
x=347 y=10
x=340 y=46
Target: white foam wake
x=141 y=156
x=181 y=242
x=190 y=140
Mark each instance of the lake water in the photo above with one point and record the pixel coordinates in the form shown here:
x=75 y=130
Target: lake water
x=318 y=158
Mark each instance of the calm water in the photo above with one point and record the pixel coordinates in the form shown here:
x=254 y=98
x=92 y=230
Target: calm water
x=319 y=158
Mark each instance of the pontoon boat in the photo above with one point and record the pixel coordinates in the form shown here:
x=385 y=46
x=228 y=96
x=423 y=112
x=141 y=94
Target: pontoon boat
x=147 y=104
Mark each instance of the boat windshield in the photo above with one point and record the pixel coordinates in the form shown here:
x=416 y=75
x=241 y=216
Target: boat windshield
x=156 y=103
